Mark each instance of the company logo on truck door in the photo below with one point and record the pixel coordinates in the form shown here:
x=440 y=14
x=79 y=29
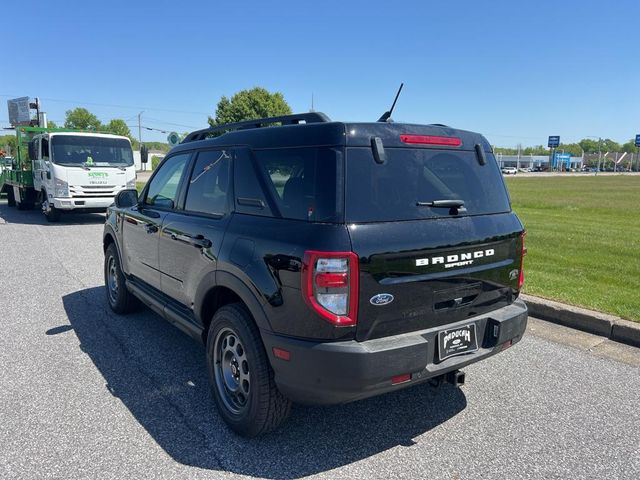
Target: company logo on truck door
x=455 y=260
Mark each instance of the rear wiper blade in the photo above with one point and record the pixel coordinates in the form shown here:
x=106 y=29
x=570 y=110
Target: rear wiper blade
x=442 y=203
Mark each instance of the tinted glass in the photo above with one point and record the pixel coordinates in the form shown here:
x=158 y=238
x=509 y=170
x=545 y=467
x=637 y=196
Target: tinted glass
x=207 y=188
x=82 y=150
x=388 y=192
x=163 y=188
x=250 y=196
x=304 y=182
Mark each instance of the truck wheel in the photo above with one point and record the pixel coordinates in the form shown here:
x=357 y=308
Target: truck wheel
x=241 y=376
x=119 y=298
x=11 y=200
x=50 y=211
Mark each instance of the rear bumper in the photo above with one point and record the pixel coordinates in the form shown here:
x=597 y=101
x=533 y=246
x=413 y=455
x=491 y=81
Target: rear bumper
x=94 y=204
x=340 y=372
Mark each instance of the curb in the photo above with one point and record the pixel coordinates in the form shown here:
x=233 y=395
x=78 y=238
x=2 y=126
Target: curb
x=609 y=326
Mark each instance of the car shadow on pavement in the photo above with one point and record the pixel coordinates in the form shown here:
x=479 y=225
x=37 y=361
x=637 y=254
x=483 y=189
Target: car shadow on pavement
x=12 y=215
x=160 y=376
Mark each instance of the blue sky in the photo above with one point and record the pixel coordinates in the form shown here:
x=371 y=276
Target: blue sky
x=515 y=71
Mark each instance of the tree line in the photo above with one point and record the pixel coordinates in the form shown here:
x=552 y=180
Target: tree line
x=260 y=103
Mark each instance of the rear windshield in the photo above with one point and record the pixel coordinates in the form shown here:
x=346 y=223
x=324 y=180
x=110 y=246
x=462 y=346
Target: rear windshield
x=388 y=192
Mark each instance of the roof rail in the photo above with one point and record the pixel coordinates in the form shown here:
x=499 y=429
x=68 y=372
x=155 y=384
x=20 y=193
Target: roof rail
x=295 y=119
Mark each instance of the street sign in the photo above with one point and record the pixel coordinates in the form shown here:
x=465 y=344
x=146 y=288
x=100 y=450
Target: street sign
x=638 y=140
x=173 y=139
x=19 y=113
x=554 y=141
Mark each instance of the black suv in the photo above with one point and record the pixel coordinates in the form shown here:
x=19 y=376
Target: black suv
x=323 y=262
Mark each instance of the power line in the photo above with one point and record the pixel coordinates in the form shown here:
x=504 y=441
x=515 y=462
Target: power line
x=162 y=122
x=112 y=105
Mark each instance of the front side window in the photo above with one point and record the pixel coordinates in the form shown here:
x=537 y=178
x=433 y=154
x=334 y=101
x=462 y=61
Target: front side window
x=88 y=151
x=208 y=185
x=163 y=187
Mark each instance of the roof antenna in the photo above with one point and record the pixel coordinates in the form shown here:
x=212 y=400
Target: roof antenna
x=386 y=116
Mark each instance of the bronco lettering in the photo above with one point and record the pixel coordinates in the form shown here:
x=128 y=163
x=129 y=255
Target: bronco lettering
x=455 y=260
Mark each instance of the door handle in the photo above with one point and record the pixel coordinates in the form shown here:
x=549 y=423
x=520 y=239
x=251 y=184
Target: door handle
x=197 y=241
x=151 y=228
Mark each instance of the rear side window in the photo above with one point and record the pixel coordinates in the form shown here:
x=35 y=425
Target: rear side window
x=209 y=182
x=306 y=183
x=389 y=192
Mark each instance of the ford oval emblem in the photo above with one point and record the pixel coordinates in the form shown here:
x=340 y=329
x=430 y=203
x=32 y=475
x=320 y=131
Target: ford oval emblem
x=381 y=299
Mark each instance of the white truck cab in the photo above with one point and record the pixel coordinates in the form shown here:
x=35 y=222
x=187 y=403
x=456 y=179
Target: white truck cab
x=80 y=172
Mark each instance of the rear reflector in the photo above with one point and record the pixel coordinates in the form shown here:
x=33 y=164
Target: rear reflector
x=400 y=378
x=332 y=280
x=281 y=353
x=431 y=140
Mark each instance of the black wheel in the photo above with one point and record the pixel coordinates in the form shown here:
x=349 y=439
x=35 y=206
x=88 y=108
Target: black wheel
x=49 y=210
x=11 y=200
x=241 y=376
x=119 y=298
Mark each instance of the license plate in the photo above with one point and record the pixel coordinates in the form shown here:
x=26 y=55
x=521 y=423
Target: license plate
x=457 y=341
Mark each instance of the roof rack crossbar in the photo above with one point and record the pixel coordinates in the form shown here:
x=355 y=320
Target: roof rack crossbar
x=310 y=117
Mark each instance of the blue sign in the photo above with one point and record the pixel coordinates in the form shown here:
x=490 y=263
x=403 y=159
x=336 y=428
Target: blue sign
x=554 y=141
x=638 y=141
x=562 y=159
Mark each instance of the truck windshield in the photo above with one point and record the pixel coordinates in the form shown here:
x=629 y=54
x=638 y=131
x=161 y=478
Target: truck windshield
x=417 y=183
x=86 y=151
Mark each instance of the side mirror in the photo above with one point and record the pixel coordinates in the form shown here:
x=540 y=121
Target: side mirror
x=126 y=198
x=144 y=154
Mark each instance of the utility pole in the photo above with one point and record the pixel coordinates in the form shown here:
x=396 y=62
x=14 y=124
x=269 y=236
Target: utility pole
x=144 y=167
x=599 y=154
x=518 y=162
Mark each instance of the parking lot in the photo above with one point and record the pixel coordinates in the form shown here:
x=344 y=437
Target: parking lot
x=85 y=393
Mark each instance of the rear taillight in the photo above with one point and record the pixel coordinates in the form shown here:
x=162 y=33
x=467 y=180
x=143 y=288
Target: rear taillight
x=330 y=285
x=431 y=140
x=523 y=252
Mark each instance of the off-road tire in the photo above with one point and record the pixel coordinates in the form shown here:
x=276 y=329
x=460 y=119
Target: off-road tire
x=266 y=408
x=120 y=299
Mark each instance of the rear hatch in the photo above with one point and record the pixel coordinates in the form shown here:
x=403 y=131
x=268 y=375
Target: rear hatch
x=425 y=265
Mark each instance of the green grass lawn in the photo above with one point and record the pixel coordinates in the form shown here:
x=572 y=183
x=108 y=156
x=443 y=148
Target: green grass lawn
x=583 y=237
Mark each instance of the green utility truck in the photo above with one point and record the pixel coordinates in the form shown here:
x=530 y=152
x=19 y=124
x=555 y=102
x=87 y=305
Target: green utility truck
x=62 y=170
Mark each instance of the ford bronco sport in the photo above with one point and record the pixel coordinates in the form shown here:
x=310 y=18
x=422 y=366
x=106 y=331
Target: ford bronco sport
x=323 y=262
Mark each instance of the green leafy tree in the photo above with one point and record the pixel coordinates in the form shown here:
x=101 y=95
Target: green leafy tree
x=589 y=145
x=51 y=124
x=118 y=126
x=8 y=144
x=573 y=148
x=630 y=146
x=81 y=119
x=249 y=104
x=609 y=145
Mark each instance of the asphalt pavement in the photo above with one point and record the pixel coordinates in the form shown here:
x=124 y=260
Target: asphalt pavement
x=85 y=393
